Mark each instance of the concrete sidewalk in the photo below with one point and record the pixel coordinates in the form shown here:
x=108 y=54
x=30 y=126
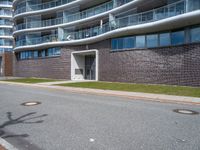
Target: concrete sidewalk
x=8 y=78
x=131 y=95
x=62 y=82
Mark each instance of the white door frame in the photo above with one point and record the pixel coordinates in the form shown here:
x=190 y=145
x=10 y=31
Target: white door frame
x=73 y=61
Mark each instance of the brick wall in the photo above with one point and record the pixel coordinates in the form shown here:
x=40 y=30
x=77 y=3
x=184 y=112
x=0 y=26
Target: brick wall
x=8 y=68
x=178 y=65
x=7 y=63
x=56 y=67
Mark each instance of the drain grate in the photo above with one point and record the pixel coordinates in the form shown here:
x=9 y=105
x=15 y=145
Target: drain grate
x=186 y=111
x=33 y=103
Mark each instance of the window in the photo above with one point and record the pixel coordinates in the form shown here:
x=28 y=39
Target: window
x=35 y=54
x=193 y=5
x=195 y=34
x=120 y=43
x=140 y=41
x=178 y=38
x=188 y=35
x=39 y=53
x=129 y=42
x=114 y=44
x=152 y=40
x=165 y=39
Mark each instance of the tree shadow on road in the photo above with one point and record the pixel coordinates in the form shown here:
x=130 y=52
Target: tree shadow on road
x=24 y=119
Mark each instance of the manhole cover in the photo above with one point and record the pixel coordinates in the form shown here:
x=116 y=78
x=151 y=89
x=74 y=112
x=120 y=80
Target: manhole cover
x=31 y=103
x=186 y=111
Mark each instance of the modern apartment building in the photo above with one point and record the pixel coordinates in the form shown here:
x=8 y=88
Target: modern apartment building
x=135 y=41
x=6 y=39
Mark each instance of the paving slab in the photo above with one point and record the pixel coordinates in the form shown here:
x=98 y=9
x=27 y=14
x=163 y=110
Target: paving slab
x=62 y=82
x=9 y=78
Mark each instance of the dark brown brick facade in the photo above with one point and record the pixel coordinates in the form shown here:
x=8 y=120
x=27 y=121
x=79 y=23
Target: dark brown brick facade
x=173 y=65
x=7 y=63
x=57 y=67
x=178 y=65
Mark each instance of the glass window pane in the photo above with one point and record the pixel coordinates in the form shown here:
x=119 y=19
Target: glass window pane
x=178 y=37
x=129 y=42
x=114 y=44
x=120 y=43
x=35 y=54
x=165 y=39
x=195 y=34
x=193 y=5
x=140 y=41
x=152 y=40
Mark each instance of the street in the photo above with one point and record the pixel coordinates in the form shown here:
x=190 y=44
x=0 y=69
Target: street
x=71 y=121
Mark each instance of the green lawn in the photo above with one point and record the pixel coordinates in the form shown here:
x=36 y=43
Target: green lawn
x=157 y=89
x=31 y=80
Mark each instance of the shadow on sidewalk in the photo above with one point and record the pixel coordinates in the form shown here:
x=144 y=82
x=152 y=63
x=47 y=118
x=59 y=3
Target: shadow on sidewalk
x=24 y=119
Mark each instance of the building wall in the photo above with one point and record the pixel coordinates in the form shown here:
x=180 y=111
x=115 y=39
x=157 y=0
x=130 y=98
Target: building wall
x=7 y=63
x=56 y=67
x=178 y=65
x=8 y=70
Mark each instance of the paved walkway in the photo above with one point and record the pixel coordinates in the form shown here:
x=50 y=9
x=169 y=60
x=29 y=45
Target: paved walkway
x=8 y=78
x=61 y=82
x=132 y=95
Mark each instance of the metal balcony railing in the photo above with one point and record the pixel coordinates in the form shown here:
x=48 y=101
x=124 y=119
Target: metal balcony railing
x=171 y=10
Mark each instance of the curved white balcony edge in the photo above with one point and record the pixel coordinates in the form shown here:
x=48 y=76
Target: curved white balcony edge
x=165 y=24
x=115 y=10
x=6 y=37
x=47 y=10
x=6 y=46
x=5 y=6
x=4 y=16
x=71 y=4
x=6 y=26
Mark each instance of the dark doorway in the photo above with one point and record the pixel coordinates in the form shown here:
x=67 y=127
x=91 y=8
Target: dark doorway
x=90 y=67
x=1 y=67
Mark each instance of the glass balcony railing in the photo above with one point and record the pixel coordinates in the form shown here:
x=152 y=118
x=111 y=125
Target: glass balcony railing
x=7 y=33
x=42 y=6
x=73 y=17
x=39 y=24
x=52 y=4
x=40 y=40
x=6 y=3
x=168 y=11
x=6 y=22
x=90 y=12
x=175 y=9
x=6 y=13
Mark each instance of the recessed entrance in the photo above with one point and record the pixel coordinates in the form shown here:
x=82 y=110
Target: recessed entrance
x=90 y=67
x=84 y=65
x=1 y=67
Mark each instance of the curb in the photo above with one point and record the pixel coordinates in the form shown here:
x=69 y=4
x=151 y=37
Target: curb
x=130 y=95
x=7 y=145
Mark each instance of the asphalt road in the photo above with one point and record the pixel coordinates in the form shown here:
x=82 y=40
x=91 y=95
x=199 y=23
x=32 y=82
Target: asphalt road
x=71 y=121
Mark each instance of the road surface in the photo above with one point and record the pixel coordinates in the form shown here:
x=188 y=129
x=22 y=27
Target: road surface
x=71 y=121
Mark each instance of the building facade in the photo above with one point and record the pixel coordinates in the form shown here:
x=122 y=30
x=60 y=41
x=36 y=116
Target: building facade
x=135 y=41
x=6 y=38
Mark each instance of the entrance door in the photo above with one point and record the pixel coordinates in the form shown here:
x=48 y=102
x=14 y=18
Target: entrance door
x=90 y=67
x=1 y=67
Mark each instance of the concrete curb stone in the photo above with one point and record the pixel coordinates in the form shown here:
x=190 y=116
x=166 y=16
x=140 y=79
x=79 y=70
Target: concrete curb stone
x=7 y=145
x=131 y=95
